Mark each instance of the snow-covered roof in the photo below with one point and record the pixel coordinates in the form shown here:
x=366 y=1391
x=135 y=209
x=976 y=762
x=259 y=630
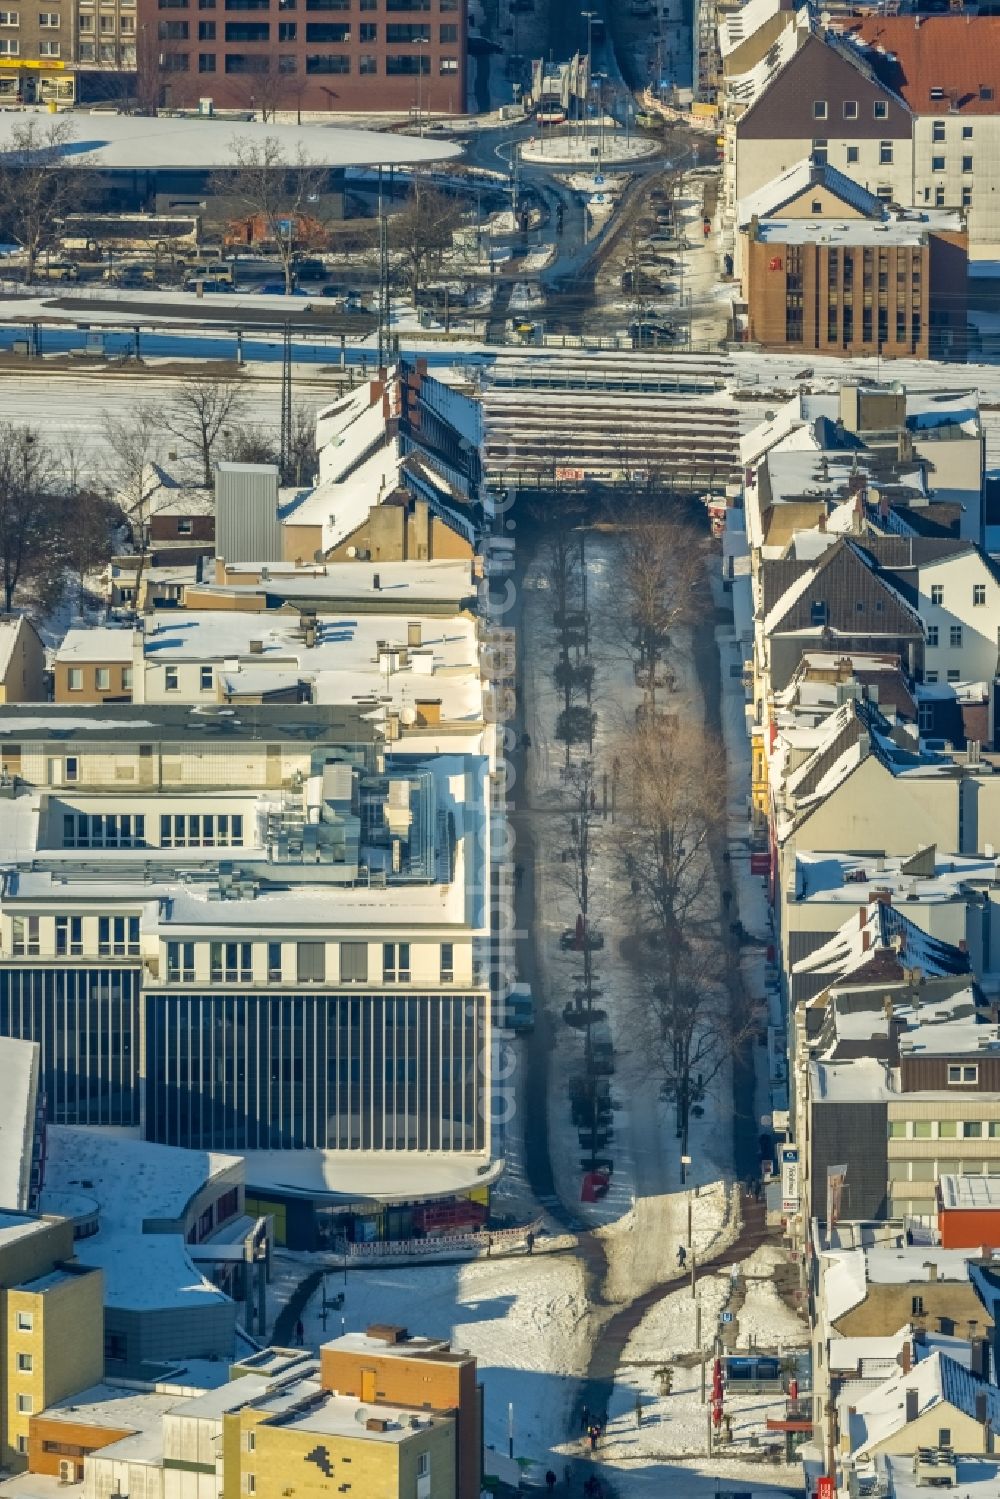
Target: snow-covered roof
x=384 y=1175
x=850 y=878
x=939 y=1380
x=896 y=229
x=737 y=26
x=746 y=88
x=98 y=643
x=134 y=1181
x=110 y=142
x=885 y=931
x=799 y=178
x=339 y=506
x=19 y=1070
x=401 y=584
x=970 y=1193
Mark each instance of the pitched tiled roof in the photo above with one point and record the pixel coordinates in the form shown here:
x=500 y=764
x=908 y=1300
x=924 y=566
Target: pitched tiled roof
x=931 y=61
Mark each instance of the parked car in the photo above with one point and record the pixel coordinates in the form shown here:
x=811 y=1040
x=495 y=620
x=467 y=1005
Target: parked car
x=56 y=270
x=569 y=942
x=309 y=269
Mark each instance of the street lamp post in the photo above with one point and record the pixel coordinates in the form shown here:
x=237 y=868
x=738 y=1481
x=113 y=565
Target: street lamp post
x=590 y=16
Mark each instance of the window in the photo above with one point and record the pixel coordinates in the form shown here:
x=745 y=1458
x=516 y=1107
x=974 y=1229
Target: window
x=48 y=18
x=24 y=1405
x=354 y=962
x=423 y=1464
x=206 y=679
x=925 y=711
x=251 y=1441
x=966 y=197
x=954 y=675
x=948 y=1128
x=938 y=131
x=9 y=18
x=311 y=960
x=206 y=31
x=955 y=637
x=985 y=93
x=405 y=63
x=180 y=962
x=850 y=109
x=396 y=962
x=972 y=1129
x=916 y=1306
x=944 y=1436
x=250 y=1482
x=25 y=1321
x=75 y=679
x=966 y=163
x=932 y=635
x=880 y=109
x=104 y=830
x=206 y=62
x=274 y=962
x=48 y=49
x=231 y=962
x=22 y=1443
x=853 y=154
x=967 y=132
x=170 y=678
x=885 y=153
x=333 y=62
x=961 y=1072
x=367 y=63
x=817 y=206
x=817 y=612
x=897 y=1129
x=937 y=163
x=249 y=31
x=9 y=47
x=407 y=32
x=201 y=830
x=118 y=936
x=103 y=678
x=448 y=33
x=447 y=962
x=922 y=1129
x=937 y=593
x=328 y=31
x=819 y=153
x=69 y=936
x=367 y=32
x=939 y=197
x=978 y=594
x=24 y=1363
x=286 y=31
x=173 y=31
x=819 y=109
x=25 y=936
x=86 y=23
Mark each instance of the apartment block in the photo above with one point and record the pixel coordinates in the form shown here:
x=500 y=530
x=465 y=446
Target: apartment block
x=400 y=56
x=52 y=1314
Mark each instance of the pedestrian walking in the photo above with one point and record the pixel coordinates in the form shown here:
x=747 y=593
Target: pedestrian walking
x=489 y=1245
x=593 y=1432
x=550 y=1480
x=300 y=1333
x=682 y=1255
x=638 y=1411
x=530 y=1241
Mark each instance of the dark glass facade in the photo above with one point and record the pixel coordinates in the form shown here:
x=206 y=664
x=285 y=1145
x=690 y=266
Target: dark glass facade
x=335 y=1072
x=86 y=1021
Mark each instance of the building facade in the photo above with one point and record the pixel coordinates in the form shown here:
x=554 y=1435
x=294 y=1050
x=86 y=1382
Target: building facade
x=264 y=943
x=854 y=286
x=404 y=56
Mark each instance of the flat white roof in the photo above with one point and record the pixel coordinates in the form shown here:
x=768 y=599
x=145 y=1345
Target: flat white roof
x=130 y=142
x=384 y=1175
x=975 y=1192
x=100 y=643
x=834 y=231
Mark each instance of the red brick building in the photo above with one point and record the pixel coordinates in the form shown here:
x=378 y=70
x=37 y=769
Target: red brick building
x=361 y=55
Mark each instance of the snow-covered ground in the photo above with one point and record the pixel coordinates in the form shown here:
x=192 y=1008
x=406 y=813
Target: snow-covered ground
x=675 y=1426
x=525 y=1319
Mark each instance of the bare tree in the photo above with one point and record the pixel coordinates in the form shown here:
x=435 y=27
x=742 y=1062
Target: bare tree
x=39 y=182
x=562 y=570
x=660 y=576
x=149 y=71
x=30 y=515
x=280 y=193
x=132 y=443
x=422 y=231
x=199 y=414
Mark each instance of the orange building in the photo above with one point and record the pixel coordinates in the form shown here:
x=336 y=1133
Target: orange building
x=969 y=1212
x=384 y=1365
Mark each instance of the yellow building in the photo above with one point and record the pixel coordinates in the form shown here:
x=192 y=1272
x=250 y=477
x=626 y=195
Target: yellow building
x=52 y=1316
x=314 y=1442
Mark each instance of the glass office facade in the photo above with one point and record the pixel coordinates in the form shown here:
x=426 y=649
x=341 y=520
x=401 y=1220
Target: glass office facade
x=336 y=1072
x=86 y=1021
